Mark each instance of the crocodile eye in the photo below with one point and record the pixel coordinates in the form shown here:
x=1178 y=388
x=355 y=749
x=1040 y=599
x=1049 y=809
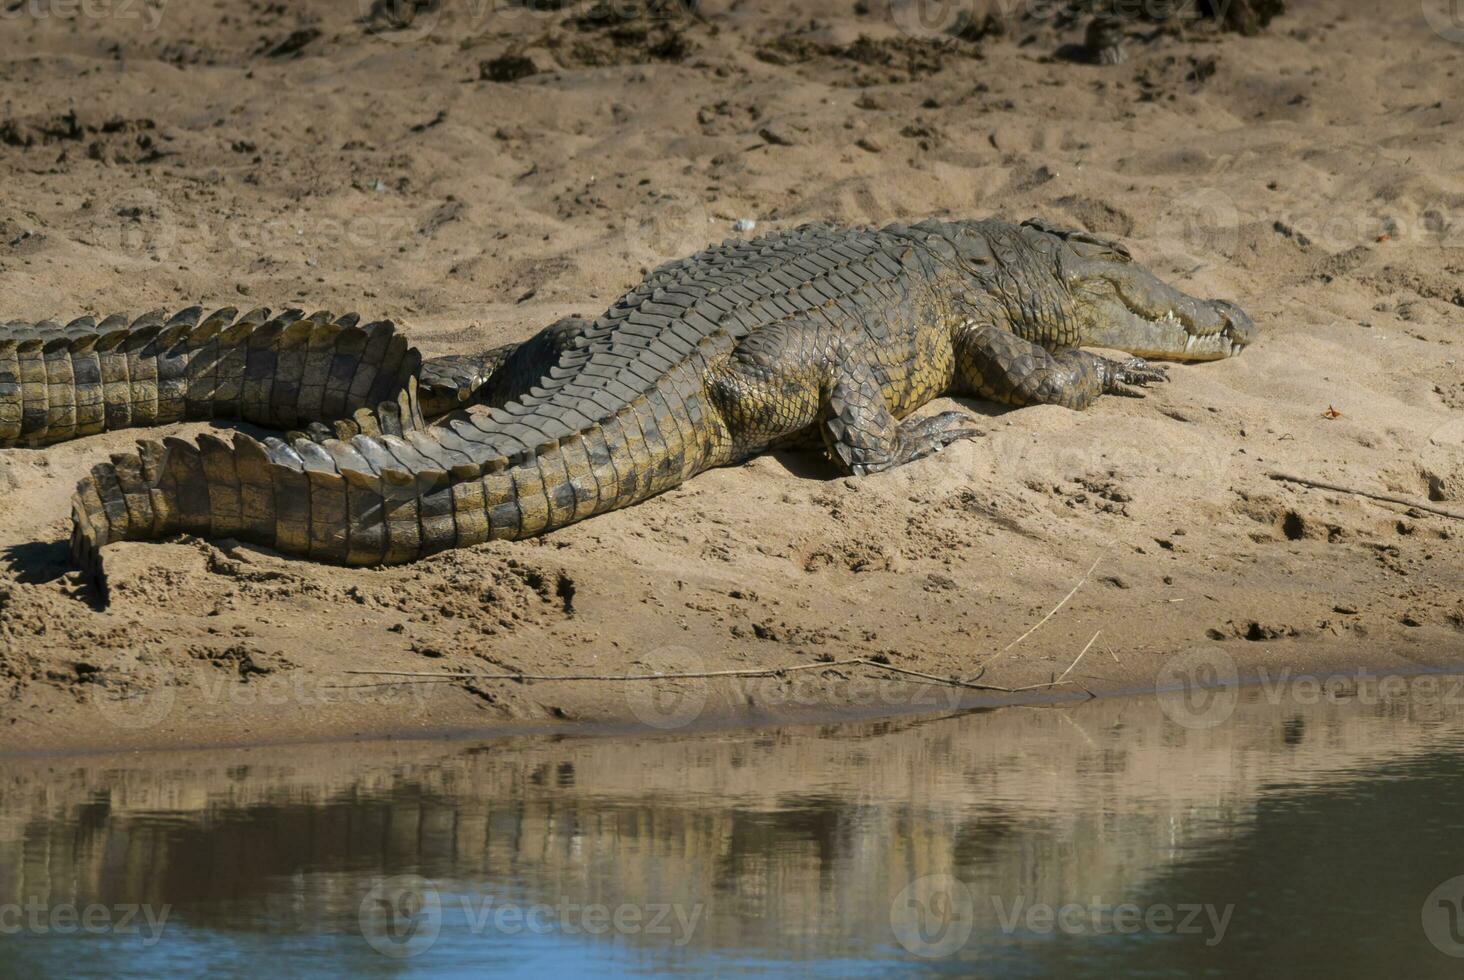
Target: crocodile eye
x=975 y=250
x=1091 y=248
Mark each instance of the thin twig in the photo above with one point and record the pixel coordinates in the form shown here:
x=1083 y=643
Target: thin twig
x=1061 y=677
x=954 y=682
x=1044 y=619
x=1385 y=497
x=433 y=677
x=1080 y=657
x=417 y=677
x=468 y=675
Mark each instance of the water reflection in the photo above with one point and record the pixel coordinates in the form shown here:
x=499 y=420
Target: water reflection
x=1295 y=838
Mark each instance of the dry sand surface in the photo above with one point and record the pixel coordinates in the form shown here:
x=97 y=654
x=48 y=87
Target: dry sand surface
x=284 y=155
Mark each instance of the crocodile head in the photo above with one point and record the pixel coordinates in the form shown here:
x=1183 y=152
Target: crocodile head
x=1123 y=306
x=1106 y=299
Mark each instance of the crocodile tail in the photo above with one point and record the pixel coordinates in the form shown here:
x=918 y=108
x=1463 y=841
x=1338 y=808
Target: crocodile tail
x=245 y=489
x=281 y=371
x=384 y=498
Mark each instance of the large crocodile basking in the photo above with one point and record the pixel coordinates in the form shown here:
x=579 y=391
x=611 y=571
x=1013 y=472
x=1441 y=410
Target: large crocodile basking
x=821 y=333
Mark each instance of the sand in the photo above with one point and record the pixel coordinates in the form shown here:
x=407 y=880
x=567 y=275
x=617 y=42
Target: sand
x=272 y=155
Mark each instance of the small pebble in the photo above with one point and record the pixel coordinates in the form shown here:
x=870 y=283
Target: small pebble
x=744 y=225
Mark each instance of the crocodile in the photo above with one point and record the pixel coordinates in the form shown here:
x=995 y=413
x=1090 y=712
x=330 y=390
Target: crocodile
x=820 y=334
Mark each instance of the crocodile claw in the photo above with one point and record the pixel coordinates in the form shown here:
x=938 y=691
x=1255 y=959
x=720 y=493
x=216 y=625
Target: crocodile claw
x=1117 y=375
x=927 y=436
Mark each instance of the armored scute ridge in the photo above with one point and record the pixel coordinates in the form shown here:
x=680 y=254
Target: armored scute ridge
x=58 y=383
x=820 y=334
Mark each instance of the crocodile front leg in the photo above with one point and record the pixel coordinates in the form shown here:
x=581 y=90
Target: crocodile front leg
x=795 y=382
x=862 y=435
x=997 y=364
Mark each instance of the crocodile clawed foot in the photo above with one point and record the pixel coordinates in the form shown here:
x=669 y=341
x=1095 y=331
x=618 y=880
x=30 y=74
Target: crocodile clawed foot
x=923 y=437
x=915 y=439
x=1118 y=375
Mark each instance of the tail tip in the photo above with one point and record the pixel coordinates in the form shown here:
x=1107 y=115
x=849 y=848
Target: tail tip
x=88 y=537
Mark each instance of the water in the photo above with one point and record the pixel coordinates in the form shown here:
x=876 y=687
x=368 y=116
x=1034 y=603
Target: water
x=1298 y=836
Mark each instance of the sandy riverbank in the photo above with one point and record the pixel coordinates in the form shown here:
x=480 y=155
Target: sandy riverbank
x=293 y=158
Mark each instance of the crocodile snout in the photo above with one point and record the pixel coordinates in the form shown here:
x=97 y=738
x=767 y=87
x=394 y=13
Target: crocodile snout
x=1154 y=321
x=1240 y=329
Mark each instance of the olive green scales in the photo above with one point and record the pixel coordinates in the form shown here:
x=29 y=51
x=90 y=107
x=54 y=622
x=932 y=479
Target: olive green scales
x=816 y=334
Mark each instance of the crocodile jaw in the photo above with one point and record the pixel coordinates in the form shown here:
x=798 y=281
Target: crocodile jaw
x=1165 y=337
x=1125 y=307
